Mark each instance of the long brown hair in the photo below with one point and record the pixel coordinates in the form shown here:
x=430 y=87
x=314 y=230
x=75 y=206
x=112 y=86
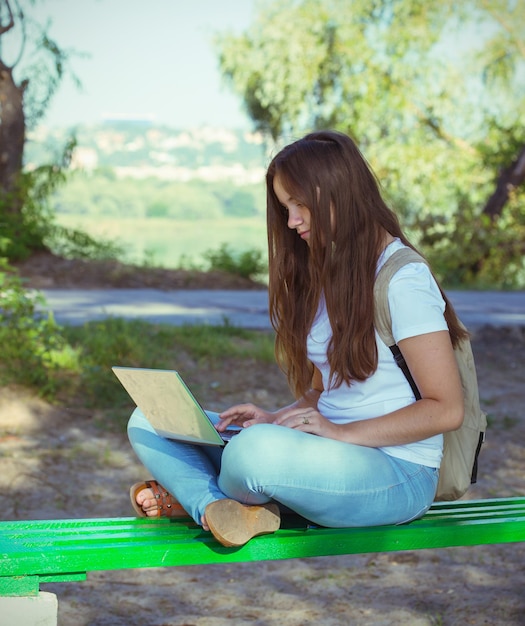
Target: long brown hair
x=349 y=219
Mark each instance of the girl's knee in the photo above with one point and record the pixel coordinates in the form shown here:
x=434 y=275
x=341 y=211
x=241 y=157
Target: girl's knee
x=249 y=452
x=245 y=463
x=137 y=424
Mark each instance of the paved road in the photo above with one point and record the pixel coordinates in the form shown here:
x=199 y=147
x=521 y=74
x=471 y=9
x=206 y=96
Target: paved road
x=243 y=308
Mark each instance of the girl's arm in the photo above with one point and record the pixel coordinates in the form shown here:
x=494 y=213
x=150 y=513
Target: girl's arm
x=431 y=361
x=249 y=414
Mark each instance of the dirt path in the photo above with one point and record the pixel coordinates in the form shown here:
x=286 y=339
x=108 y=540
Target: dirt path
x=61 y=464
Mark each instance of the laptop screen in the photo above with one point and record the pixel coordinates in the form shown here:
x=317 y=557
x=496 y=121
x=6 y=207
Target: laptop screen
x=168 y=404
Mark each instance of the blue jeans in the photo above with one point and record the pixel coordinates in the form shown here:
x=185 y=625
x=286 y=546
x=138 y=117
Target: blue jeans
x=328 y=482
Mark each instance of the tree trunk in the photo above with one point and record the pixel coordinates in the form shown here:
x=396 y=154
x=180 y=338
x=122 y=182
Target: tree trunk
x=12 y=138
x=509 y=178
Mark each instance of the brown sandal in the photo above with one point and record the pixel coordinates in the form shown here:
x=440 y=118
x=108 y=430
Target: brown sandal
x=167 y=505
x=234 y=524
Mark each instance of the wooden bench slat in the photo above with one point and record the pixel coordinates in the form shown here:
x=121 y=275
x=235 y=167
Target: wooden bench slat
x=68 y=549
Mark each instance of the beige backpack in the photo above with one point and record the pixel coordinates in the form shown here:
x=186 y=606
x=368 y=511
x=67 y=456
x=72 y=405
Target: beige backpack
x=461 y=447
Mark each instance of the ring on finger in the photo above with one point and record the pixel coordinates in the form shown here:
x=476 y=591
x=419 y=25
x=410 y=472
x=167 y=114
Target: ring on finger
x=305 y=420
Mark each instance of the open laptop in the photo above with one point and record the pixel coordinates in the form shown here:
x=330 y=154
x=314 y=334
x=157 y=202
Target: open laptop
x=169 y=406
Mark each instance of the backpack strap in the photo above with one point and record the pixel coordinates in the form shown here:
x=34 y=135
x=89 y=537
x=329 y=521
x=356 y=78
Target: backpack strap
x=382 y=316
x=402 y=364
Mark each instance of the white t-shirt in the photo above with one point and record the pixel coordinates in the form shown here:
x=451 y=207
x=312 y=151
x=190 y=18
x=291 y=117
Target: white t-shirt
x=417 y=308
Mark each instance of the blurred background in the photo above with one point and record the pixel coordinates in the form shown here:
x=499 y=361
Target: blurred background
x=143 y=130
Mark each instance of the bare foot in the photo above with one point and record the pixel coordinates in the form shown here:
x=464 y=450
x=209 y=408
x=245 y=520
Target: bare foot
x=151 y=499
x=147 y=502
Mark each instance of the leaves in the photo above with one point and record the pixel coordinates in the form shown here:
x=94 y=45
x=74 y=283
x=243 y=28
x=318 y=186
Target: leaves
x=433 y=93
x=32 y=344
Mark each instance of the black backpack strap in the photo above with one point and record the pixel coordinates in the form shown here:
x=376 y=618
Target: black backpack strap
x=401 y=363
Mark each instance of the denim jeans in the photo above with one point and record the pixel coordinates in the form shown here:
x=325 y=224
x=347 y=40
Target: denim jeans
x=328 y=482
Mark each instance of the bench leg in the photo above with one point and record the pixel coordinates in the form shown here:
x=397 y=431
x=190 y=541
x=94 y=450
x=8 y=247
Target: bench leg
x=39 y=610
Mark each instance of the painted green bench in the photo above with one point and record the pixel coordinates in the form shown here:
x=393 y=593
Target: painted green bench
x=35 y=552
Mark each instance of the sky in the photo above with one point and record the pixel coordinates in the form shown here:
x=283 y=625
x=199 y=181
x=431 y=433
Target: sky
x=145 y=59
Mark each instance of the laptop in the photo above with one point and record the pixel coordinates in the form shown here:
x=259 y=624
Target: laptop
x=170 y=407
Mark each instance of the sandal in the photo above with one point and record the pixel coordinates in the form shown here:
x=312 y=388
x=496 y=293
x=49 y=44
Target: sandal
x=167 y=505
x=234 y=524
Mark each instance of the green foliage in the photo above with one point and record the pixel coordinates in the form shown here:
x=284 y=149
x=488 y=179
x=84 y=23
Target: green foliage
x=26 y=231
x=97 y=194
x=248 y=264
x=34 y=351
x=76 y=244
x=26 y=217
x=484 y=254
x=432 y=91
x=35 y=228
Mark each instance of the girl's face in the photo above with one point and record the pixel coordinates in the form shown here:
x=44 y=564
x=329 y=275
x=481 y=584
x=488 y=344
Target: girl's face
x=298 y=215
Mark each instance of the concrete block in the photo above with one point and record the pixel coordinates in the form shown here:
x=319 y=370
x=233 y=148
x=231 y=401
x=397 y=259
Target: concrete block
x=40 y=610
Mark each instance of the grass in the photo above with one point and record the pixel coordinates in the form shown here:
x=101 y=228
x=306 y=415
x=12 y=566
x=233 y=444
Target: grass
x=41 y=354
x=135 y=343
x=71 y=365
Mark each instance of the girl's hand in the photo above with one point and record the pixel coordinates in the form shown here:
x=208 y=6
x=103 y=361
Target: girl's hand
x=244 y=415
x=309 y=420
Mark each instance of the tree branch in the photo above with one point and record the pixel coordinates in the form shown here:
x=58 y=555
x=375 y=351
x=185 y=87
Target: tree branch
x=9 y=26
x=441 y=133
x=508 y=179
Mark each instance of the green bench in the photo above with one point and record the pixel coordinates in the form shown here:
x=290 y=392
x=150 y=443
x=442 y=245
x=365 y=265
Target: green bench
x=35 y=552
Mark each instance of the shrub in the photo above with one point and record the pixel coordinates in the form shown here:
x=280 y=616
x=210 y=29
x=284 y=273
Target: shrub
x=34 y=352
x=248 y=264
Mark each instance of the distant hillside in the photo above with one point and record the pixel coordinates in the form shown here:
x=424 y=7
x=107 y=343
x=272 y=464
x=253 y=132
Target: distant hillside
x=141 y=149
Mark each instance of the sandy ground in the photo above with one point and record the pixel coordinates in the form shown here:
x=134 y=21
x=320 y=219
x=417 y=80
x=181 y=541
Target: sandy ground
x=60 y=464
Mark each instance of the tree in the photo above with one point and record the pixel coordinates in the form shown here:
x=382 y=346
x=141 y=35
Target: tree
x=12 y=120
x=23 y=101
x=434 y=93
